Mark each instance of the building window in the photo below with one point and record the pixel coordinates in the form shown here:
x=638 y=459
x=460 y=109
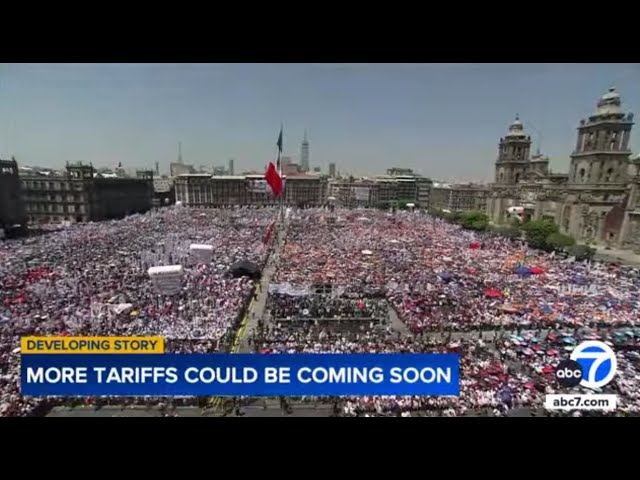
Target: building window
x=609 y=175
x=517 y=177
x=582 y=173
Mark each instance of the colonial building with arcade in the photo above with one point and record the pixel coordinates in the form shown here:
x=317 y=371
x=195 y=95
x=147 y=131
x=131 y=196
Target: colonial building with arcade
x=593 y=201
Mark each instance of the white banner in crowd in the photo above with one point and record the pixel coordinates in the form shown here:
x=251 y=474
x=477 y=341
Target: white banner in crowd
x=201 y=253
x=288 y=289
x=166 y=280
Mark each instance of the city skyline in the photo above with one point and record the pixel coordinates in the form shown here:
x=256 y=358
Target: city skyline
x=443 y=121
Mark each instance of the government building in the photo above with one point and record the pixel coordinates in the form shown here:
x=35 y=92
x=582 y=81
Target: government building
x=399 y=188
x=205 y=190
x=13 y=218
x=81 y=195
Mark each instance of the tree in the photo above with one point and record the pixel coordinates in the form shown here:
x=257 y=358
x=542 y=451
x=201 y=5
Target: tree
x=537 y=231
x=451 y=216
x=514 y=222
x=474 y=220
x=581 y=252
x=559 y=241
x=479 y=225
x=511 y=232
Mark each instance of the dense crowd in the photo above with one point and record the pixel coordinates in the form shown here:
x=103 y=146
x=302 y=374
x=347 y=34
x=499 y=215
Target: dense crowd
x=92 y=280
x=281 y=306
x=498 y=373
x=439 y=276
x=511 y=312
x=532 y=307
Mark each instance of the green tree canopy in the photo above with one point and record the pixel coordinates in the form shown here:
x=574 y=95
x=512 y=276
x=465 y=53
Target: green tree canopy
x=537 y=231
x=581 y=252
x=559 y=241
x=508 y=231
x=474 y=220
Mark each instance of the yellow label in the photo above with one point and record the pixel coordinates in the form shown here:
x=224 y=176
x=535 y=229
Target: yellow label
x=91 y=345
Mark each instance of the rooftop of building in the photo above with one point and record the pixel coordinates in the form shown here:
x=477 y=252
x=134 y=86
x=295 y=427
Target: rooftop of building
x=461 y=186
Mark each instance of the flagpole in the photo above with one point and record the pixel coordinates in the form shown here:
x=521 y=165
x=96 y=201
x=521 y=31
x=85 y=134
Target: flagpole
x=282 y=179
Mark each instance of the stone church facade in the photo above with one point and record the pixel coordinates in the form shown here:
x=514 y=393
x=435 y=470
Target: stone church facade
x=597 y=201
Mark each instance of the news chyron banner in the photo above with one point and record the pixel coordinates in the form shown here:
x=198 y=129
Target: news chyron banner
x=138 y=366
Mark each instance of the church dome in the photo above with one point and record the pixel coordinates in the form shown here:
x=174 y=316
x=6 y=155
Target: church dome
x=609 y=103
x=611 y=94
x=516 y=129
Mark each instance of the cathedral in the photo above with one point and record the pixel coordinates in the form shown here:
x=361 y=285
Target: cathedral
x=597 y=201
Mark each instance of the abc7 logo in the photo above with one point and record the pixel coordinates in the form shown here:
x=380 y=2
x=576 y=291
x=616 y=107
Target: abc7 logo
x=593 y=364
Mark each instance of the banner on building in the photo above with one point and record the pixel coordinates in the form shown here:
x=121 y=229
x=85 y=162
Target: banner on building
x=361 y=194
x=257 y=186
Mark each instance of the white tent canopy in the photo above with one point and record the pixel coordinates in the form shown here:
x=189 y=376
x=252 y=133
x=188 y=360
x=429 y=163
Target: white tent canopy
x=198 y=246
x=165 y=270
x=167 y=280
x=122 y=308
x=367 y=252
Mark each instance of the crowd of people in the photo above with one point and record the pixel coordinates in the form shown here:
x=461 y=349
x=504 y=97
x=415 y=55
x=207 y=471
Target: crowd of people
x=439 y=276
x=510 y=311
x=320 y=307
x=532 y=307
x=91 y=279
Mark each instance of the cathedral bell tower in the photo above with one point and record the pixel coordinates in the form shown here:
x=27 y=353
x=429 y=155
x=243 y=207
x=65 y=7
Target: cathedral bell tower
x=513 y=155
x=602 y=150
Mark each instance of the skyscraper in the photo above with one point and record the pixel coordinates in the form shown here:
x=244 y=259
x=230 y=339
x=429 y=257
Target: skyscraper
x=332 y=170
x=304 y=154
x=231 y=170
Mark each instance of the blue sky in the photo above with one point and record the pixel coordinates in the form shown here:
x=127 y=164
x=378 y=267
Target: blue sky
x=443 y=120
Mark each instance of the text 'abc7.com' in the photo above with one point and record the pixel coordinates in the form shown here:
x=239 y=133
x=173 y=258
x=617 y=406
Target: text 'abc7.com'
x=592 y=365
